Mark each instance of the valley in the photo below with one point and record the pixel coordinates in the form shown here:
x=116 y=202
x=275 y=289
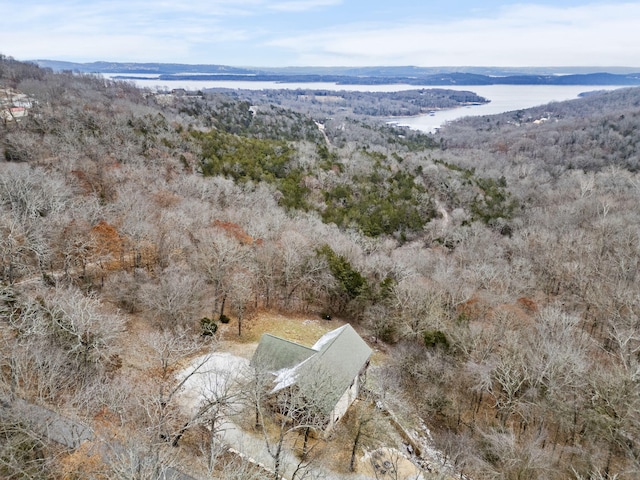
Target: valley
x=492 y=267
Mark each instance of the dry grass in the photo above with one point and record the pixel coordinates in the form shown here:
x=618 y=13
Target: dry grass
x=303 y=329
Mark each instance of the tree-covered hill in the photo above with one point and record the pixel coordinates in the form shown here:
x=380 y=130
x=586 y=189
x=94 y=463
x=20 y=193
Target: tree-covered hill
x=493 y=266
x=374 y=104
x=590 y=134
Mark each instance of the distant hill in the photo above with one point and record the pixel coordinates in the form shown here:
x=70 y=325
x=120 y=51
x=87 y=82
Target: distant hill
x=431 y=76
x=139 y=68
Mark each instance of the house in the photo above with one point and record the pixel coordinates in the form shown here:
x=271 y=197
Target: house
x=328 y=374
x=14 y=106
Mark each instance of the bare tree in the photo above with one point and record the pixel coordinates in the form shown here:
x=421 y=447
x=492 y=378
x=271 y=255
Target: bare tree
x=288 y=414
x=217 y=256
x=32 y=193
x=267 y=272
x=15 y=249
x=303 y=271
x=615 y=418
x=136 y=459
x=175 y=299
x=512 y=378
x=61 y=338
x=381 y=322
x=76 y=246
x=124 y=289
x=241 y=294
x=220 y=391
x=23 y=452
x=367 y=428
x=514 y=458
x=32 y=367
x=78 y=324
x=169 y=348
x=418 y=307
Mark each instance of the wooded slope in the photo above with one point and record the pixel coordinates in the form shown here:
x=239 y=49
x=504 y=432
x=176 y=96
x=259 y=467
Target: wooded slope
x=496 y=262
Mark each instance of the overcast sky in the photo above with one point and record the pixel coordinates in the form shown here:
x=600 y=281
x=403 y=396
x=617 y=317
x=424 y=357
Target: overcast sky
x=325 y=32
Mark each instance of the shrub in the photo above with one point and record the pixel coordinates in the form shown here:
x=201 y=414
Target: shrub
x=209 y=327
x=224 y=319
x=435 y=338
x=387 y=333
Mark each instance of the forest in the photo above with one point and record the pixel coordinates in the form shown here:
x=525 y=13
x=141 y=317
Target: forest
x=492 y=266
x=375 y=104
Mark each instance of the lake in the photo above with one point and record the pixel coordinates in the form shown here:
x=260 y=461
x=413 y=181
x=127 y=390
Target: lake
x=504 y=98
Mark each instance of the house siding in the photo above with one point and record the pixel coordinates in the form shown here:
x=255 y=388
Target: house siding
x=345 y=401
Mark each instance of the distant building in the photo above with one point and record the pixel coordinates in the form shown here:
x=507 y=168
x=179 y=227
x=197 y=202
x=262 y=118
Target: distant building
x=14 y=106
x=328 y=374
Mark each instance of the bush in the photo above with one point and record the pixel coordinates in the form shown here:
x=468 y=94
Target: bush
x=209 y=327
x=224 y=319
x=435 y=338
x=350 y=281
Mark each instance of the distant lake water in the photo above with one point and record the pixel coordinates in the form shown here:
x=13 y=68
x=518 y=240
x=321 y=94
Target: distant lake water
x=504 y=98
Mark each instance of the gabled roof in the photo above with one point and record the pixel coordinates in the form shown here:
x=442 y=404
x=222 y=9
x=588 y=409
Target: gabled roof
x=275 y=353
x=328 y=368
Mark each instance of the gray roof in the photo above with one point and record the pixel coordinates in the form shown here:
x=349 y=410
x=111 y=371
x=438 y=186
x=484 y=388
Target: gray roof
x=329 y=367
x=275 y=353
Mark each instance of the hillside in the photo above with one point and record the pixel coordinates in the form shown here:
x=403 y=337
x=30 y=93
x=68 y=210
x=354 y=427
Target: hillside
x=434 y=76
x=493 y=267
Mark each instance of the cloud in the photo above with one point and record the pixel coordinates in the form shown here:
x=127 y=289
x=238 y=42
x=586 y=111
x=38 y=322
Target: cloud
x=303 y=5
x=517 y=36
x=125 y=30
x=96 y=47
x=242 y=32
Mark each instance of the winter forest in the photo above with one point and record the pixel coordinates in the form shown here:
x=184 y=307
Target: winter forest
x=492 y=267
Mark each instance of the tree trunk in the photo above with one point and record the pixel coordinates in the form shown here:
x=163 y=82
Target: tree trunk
x=276 y=463
x=224 y=299
x=176 y=439
x=305 y=443
x=212 y=451
x=354 y=450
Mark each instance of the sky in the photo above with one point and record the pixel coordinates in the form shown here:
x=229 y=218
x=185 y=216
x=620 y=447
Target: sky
x=278 y=33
